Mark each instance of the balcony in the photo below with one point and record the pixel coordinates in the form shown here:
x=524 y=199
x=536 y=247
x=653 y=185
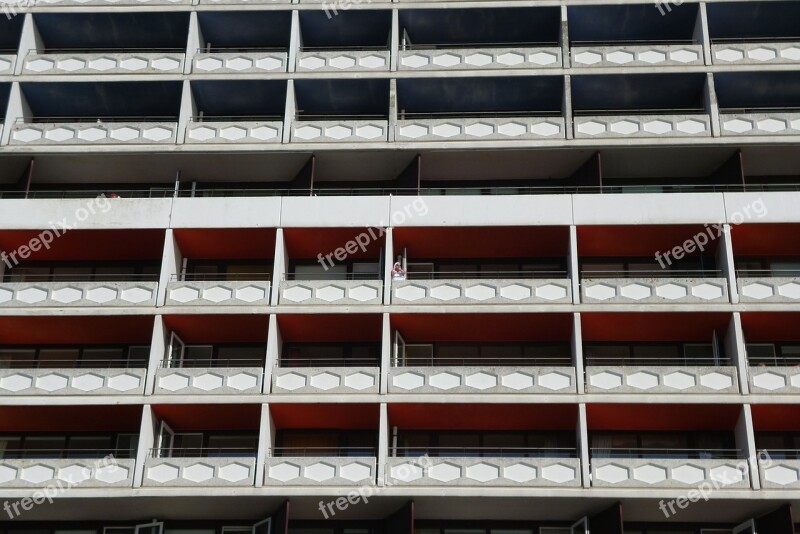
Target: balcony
x=93 y=356
x=353 y=291
x=750 y=34
x=104 y=62
x=341 y=111
x=758 y=104
x=539 y=361
x=213 y=355
x=773 y=352
x=52 y=294
x=531 y=108
x=767 y=263
x=194 y=468
x=603 y=36
x=491 y=288
x=776 y=439
x=466 y=39
x=10 y=33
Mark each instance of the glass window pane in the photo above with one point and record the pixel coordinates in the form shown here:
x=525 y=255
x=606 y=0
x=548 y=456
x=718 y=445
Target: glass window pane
x=28 y=274
x=138 y=356
x=67 y=274
x=198 y=355
x=457 y=354
x=126 y=445
x=239 y=445
x=607 y=354
x=44 y=446
x=248 y=272
x=121 y=272
x=421 y=355
x=655 y=354
x=102 y=357
x=89 y=446
x=10 y=446
x=366 y=271
x=761 y=353
x=699 y=353
x=241 y=356
x=17 y=358
x=318 y=272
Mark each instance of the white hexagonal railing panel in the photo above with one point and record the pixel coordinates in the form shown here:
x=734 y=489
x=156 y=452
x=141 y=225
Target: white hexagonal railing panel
x=763 y=124
x=244 y=62
x=340 y=131
x=311 y=471
x=666 y=473
x=483 y=291
x=326 y=380
x=320 y=292
x=642 y=126
x=84 y=472
x=483 y=58
x=774 y=379
x=484 y=128
x=104 y=381
x=654 y=290
x=777 y=289
x=200 y=472
x=661 y=379
x=351 y=60
x=105 y=63
x=507 y=380
x=218 y=380
x=218 y=293
x=780 y=474
x=636 y=55
x=498 y=472
x=755 y=53
x=88 y=133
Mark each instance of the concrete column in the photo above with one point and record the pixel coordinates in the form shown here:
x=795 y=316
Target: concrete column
x=392 y=109
x=735 y=346
x=563 y=38
x=171 y=263
x=386 y=353
x=280 y=266
x=384 y=435
x=147 y=439
x=726 y=263
x=573 y=269
x=30 y=41
x=187 y=113
x=274 y=348
x=569 y=127
x=746 y=442
x=194 y=42
x=582 y=432
x=701 y=34
x=158 y=351
x=711 y=105
x=17 y=109
x=388 y=261
x=265 y=433
x=394 y=47
x=577 y=352
x=289 y=111
x=295 y=41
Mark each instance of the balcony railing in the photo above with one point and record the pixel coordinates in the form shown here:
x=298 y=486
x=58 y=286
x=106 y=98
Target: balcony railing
x=768 y=285
x=660 y=375
x=87 y=472
x=212 y=376
x=668 y=468
x=779 y=469
x=235 y=129
x=203 y=289
x=104 y=61
x=642 y=53
x=203 y=452
x=327 y=452
x=343 y=59
x=320 y=470
x=356 y=288
x=760 y=121
x=755 y=51
x=641 y=123
x=498 y=287
x=244 y=60
x=127 y=363
x=120 y=377
x=200 y=467
x=79 y=290
x=327 y=378
x=484 y=471
x=654 y=286
x=480 y=56
x=94 y=130
x=482 y=379
x=774 y=376
x=16 y=454
x=340 y=128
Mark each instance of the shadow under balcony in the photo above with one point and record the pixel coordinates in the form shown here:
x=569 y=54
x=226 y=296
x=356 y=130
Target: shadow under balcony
x=461 y=39
x=457 y=109
x=87 y=113
x=633 y=36
x=105 y=43
x=640 y=106
x=754 y=33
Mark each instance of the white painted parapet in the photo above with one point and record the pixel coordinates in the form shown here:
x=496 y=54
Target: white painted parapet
x=319 y=471
x=755 y=53
x=482 y=380
x=49 y=472
x=658 y=379
x=654 y=290
x=767 y=123
x=218 y=293
x=208 y=380
x=60 y=294
x=199 y=472
x=482 y=291
x=668 y=473
x=89 y=381
x=637 y=55
x=487 y=471
x=343 y=60
x=339 y=131
x=239 y=62
x=480 y=128
x=88 y=133
x=624 y=126
x=480 y=58
x=104 y=63
x=321 y=292
x=327 y=380
x=775 y=380
x=234 y=132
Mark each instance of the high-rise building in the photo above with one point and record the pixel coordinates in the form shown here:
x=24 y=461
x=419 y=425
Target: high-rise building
x=411 y=267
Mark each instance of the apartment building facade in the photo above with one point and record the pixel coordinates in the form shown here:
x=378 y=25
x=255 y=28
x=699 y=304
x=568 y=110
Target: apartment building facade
x=412 y=267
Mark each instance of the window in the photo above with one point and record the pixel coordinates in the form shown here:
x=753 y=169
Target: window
x=17 y=358
x=761 y=354
x=59 y=357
